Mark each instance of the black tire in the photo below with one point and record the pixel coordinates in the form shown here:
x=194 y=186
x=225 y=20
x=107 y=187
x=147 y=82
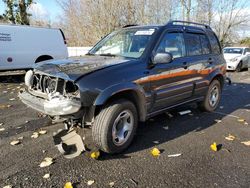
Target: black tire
x=206 y=104
x=104 y=125
x=239 y=67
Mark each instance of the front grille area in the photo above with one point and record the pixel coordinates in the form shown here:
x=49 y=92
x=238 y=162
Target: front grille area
x=46 y=85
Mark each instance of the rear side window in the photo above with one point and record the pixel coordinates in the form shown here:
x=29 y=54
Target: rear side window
x=172 y=43
x=214 y=43
x=193 y=44
x=205 y=44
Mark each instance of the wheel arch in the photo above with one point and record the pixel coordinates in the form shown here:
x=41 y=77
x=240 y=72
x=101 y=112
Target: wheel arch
x=220 y=78
x=218 y=74
x=132 y=93
x=43 y=58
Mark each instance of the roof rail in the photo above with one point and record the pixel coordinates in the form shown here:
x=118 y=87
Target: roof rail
x=175 y=22
x=130 y=25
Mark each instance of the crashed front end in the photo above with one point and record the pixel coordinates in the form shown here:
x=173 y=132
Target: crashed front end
x=59 y=99
x=50 y=95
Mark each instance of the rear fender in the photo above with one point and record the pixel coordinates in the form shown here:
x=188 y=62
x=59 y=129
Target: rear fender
x=219 y=73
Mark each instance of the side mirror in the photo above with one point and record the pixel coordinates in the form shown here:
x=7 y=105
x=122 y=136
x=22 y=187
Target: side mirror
x=247 y=53
x=163 y=58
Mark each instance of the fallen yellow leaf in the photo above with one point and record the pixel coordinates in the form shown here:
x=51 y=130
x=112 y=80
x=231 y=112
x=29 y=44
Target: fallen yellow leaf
x=46 y=162
x=48 y=159
x=90 y=182
x=111 y=184
x=155 y=152
x=95 y=155
x=247 y=143
x=241 y=120
x=214 y=147
x=68 y=185
x=42 y=132
x=46 y=176
x=217 y=120
x=2 y=106
x=230 y=137
x=15 y=142
x=35 y=135
x=8 y=186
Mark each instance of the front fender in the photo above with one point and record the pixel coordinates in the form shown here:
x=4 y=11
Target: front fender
x=108 y=93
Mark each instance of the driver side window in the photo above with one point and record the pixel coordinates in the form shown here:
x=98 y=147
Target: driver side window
x=172 y=43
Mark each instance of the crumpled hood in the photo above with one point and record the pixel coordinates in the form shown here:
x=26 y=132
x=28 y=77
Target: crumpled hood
x=228 y=56
x=74 y=68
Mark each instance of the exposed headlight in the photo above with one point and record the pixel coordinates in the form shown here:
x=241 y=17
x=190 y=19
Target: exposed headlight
x=28 y=79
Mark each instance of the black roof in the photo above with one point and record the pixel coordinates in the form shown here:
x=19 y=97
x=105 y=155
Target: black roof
x=175 y=23
x=186 y=23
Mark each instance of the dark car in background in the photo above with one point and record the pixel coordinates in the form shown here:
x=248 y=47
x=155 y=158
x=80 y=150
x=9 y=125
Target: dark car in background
x=129 y=76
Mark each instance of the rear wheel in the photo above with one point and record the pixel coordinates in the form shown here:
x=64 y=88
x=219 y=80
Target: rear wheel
x=212 y=98
x=115 y=126
x=239 y=67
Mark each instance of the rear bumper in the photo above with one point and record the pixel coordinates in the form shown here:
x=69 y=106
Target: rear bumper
x=54 y=107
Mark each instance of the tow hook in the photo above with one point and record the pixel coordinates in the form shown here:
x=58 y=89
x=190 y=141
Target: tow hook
x=69 y=143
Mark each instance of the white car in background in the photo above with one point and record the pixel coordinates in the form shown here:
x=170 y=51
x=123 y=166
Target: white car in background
x=237 y=58
x=23 y=46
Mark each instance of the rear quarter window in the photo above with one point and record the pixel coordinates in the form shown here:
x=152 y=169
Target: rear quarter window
x=214 y=43
x=205 y=44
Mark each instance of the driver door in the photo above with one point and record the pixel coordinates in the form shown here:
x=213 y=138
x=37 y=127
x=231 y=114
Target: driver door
x=171 y=83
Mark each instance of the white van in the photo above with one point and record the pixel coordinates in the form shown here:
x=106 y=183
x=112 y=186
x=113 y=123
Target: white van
x=23 y=46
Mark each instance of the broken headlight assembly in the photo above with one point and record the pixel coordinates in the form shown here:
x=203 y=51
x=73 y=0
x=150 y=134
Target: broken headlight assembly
x=52 y=95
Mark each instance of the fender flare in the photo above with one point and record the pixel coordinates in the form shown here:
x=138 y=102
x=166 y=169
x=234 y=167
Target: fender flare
x=217 y=73
x=110 y=92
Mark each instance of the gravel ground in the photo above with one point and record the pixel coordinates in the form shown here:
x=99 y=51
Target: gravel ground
x=191 y=135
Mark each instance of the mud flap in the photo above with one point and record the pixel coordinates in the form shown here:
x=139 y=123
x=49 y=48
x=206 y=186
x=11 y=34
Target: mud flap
x=69 y=143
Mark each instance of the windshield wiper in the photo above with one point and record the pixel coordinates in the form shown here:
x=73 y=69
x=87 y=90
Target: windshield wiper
x=108 y=54
x=90 y=54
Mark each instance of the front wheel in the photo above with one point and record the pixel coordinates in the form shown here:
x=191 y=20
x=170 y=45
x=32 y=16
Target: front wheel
x=212 y=98
x=115 y=126
x=239 y=67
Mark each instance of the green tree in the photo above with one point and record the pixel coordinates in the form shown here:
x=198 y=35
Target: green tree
x=16 y=11
x=9 y=12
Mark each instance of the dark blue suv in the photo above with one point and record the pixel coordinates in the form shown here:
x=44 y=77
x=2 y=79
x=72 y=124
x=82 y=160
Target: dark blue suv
x=129 y=76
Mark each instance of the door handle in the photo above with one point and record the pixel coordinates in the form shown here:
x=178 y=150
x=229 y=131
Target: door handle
x=210 y=61
x=185 y=66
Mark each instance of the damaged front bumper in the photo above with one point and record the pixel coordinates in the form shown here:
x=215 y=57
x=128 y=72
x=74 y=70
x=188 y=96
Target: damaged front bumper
x=67 y=141
x=55 y=106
